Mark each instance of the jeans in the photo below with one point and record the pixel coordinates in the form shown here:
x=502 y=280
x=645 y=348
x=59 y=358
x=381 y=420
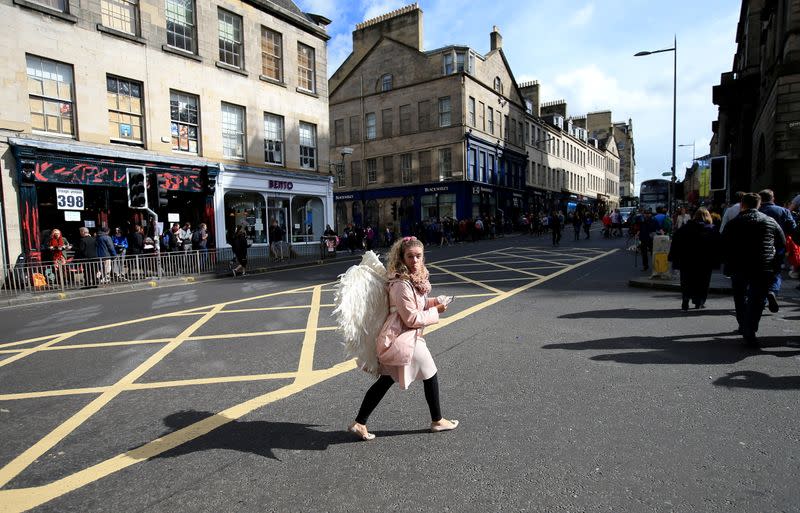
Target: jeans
x=775 y=285
x=749 y=297
x=646 y=247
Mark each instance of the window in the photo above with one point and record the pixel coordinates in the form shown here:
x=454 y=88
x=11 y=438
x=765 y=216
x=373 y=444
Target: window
x=482 y=115
x=273 y=139
x=388 y=169
x=340 y=175
x=185 y=121
x=50 y=96
x=471 y=63
x=490 y=121
x=355 y=173
x=386 y=83
x=230 y=38
x=371 y=126
x=424 y=114
x=505 y=134
x=405 y=168
x=372 y=170
x=473 y=153
x=125 y=110
x=58 y=5
x=120 y=15
x=308 y=146
x=471 y=110
x=445 y=164
x=444 y=111
x=460 y=56
x=425 y=165
x=338 y=132
x=498 y=85
x=405 y=119
x=305 y=67
x=271 y=54
x=448 y=63
x=355 y=129
x=233 y=131
x=386 y=122
x=482 y=167
x=180 y=25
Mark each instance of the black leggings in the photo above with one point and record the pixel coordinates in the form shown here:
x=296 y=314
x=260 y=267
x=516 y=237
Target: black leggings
x=384 y=383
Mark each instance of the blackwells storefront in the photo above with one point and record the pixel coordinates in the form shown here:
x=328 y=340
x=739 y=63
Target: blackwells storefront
x=300 y=204
x=69 y=186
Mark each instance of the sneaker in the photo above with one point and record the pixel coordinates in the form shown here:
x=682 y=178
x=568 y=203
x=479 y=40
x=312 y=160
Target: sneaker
x=772 y=301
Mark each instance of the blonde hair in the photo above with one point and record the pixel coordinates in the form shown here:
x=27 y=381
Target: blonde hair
x=703 y=215
x=395 y=265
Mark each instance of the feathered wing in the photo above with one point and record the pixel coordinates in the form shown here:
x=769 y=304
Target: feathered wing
x=362 y=305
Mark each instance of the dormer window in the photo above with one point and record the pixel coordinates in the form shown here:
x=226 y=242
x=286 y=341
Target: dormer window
x=498 y=85
x=386 y=83
x=448 y=63
x=460 y=57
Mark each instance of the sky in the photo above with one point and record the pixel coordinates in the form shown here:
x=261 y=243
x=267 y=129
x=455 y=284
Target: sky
x=582 y=51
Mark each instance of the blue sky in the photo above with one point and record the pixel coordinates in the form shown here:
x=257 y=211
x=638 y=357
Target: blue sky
x=582 y=52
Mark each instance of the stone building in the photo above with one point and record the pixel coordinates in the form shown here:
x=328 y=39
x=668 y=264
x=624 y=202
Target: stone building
x=758 y=127
x=223 y=104
x=448 y=133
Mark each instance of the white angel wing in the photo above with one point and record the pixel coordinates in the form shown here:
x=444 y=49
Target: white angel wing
x=362 y=304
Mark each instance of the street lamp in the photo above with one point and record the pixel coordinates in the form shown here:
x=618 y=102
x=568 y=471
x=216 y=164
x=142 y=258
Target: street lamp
x=686 y=146
x=345 y=152
x=674 y=49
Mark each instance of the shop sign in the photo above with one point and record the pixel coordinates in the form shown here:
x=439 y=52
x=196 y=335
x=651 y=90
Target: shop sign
x=173 y=217
x=443 y=188
x=344 y=197
x=72 y=215
x=69 y=199
x=516 y=195
x=281 y=185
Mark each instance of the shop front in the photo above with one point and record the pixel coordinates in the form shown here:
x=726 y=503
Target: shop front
x=273 y=205
x=67 y=186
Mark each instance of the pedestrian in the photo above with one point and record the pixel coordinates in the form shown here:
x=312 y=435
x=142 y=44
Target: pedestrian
x=555 y=222
x=647 y=230
x=185 y=236
x=121 y=247
x=588 y=219
x=239 y=247
x=681 y=218
x=410 y=311
x=105 y=251
x=784 y=218
x=57 y=246
x=732 y=211
x=576 y=225
x=694 y=251
x=86 y=251
x=173 y=238
x=136 y=241
x=751 y=243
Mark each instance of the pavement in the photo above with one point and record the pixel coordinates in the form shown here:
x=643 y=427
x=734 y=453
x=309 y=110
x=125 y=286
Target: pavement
x=720 y=284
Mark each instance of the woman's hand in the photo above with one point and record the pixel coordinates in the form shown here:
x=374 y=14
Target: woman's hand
x=441 y=308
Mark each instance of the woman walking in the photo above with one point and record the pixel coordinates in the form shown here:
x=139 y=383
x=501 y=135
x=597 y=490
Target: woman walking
x=239 y=247
x=695 y=252
x=410 y=310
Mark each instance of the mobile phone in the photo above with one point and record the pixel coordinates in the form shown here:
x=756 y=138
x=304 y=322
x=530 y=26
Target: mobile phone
x=448 y=300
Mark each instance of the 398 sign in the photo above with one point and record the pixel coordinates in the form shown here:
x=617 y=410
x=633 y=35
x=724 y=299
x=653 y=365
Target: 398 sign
x=69 y=199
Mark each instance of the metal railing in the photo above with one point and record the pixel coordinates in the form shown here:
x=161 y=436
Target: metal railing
x=48 y=277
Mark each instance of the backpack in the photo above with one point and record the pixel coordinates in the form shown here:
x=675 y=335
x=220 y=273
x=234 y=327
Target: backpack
x=361 y=302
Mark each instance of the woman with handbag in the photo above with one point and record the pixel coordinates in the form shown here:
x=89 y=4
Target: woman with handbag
x=402 y=352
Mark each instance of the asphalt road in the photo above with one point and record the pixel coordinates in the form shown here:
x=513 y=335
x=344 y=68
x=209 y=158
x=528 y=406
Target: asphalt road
x=574 y=392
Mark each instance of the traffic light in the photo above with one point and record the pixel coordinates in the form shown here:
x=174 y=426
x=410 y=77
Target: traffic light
x=394 y=211
x=163 y=192
x=137 y=187
x=719 y=174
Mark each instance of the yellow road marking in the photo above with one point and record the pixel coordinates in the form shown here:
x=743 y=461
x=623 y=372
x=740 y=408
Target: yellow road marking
x=310 y=340
x=554 y=262
x=53 y=393
x=21 y=462
x=466 y=279
x=30 y=351
x=271 y=308
x=505 y=267
x=22 y=499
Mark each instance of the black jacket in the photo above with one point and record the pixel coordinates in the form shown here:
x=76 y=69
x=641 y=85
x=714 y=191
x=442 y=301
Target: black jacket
x=239 y=246
x=135 y=243
x=86 y=248
x=751 y=241
x=695 y=246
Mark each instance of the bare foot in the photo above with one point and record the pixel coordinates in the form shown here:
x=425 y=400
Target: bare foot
x=361 y=431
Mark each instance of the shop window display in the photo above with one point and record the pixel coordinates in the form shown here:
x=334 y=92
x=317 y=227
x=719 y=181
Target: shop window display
x=248 y=209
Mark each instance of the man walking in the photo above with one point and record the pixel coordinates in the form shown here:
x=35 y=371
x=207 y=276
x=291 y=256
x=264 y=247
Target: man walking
x=751 y=242
x=784 y=218
x=647 y=230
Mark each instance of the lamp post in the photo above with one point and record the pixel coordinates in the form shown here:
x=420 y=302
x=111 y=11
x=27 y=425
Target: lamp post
x=674 y=50
x=345 y=152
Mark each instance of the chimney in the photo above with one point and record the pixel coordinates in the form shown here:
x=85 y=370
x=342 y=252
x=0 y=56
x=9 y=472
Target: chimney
x=495 y=39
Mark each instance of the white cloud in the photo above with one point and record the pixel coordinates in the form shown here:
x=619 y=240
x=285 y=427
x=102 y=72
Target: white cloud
x=582 y=16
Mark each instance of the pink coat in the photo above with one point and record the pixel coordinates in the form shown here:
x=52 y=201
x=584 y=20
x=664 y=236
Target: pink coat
x=409 y=310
